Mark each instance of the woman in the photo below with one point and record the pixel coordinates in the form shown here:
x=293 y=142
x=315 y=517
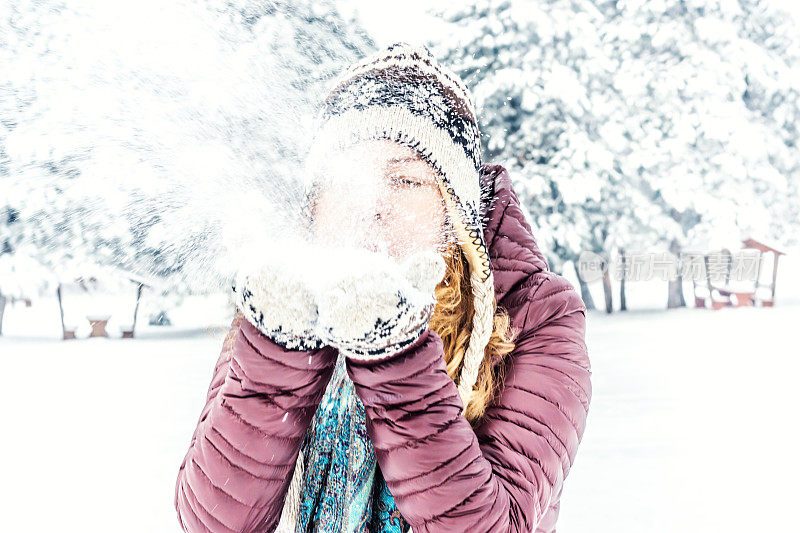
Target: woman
x=432 y=392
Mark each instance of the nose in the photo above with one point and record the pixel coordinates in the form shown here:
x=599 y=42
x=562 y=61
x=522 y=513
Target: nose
x=383 y=208
x=377 y=230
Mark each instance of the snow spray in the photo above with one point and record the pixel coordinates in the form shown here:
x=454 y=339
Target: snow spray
x=177 y=141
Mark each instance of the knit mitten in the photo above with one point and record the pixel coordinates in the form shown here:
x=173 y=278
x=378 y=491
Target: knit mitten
x=276 y=297
x=378 y=305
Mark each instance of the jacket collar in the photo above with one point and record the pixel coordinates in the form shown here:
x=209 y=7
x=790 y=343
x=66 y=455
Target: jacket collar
x=512 y=248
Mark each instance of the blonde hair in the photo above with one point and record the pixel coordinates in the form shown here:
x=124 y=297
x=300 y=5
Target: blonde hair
x=452 y=320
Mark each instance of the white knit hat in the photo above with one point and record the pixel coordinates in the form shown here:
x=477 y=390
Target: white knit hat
x=403 y=94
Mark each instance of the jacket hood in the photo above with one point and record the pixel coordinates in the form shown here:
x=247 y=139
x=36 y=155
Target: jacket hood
x=512 y=248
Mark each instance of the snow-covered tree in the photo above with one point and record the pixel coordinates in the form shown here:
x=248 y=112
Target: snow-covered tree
x=637 y=124
x=130 y=143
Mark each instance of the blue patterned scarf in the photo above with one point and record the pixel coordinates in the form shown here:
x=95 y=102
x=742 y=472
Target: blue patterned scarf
x=343 y=488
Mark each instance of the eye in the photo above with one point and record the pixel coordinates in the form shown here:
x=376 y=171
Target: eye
x=407 y=181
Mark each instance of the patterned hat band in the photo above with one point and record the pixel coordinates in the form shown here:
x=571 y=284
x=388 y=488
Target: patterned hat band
x=401 y=94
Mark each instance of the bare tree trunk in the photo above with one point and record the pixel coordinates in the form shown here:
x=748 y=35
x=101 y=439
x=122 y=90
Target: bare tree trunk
x=607 y=289
x=2 y=310
x=586 y=295
x=623 y=306
x=675 y=288
x=606 y=274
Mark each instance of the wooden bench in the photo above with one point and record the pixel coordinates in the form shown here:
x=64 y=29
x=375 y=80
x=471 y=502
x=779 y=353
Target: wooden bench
x=718 y=295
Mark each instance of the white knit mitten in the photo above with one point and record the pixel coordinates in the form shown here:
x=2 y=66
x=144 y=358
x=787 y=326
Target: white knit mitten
x=276 y=296
x=377 y=306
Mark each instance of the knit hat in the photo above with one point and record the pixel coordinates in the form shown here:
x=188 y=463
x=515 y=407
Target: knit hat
x=403 y=94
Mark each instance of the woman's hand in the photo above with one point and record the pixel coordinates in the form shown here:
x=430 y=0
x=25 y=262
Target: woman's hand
x=276 y=296
x=376 y=305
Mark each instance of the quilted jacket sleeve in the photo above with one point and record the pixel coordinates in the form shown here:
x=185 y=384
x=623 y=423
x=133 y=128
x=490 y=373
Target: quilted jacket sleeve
x=261 y=400
x=503 y=475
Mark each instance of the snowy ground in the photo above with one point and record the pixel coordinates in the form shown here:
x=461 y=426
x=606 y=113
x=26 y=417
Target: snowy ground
x=692 y=426
x=693 y=423
x=95 y=429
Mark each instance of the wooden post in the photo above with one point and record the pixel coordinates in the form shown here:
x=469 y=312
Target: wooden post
x=129 y=334
x=758 y=273
x=65 y=334
x=60 y=308
x=774 y=276
x=136 y=309
x=728 y=265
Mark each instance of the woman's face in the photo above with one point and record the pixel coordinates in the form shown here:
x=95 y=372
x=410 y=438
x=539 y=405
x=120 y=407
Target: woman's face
x=381 y=195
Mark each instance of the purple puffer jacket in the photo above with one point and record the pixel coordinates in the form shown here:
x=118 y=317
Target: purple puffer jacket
x=505 y=476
